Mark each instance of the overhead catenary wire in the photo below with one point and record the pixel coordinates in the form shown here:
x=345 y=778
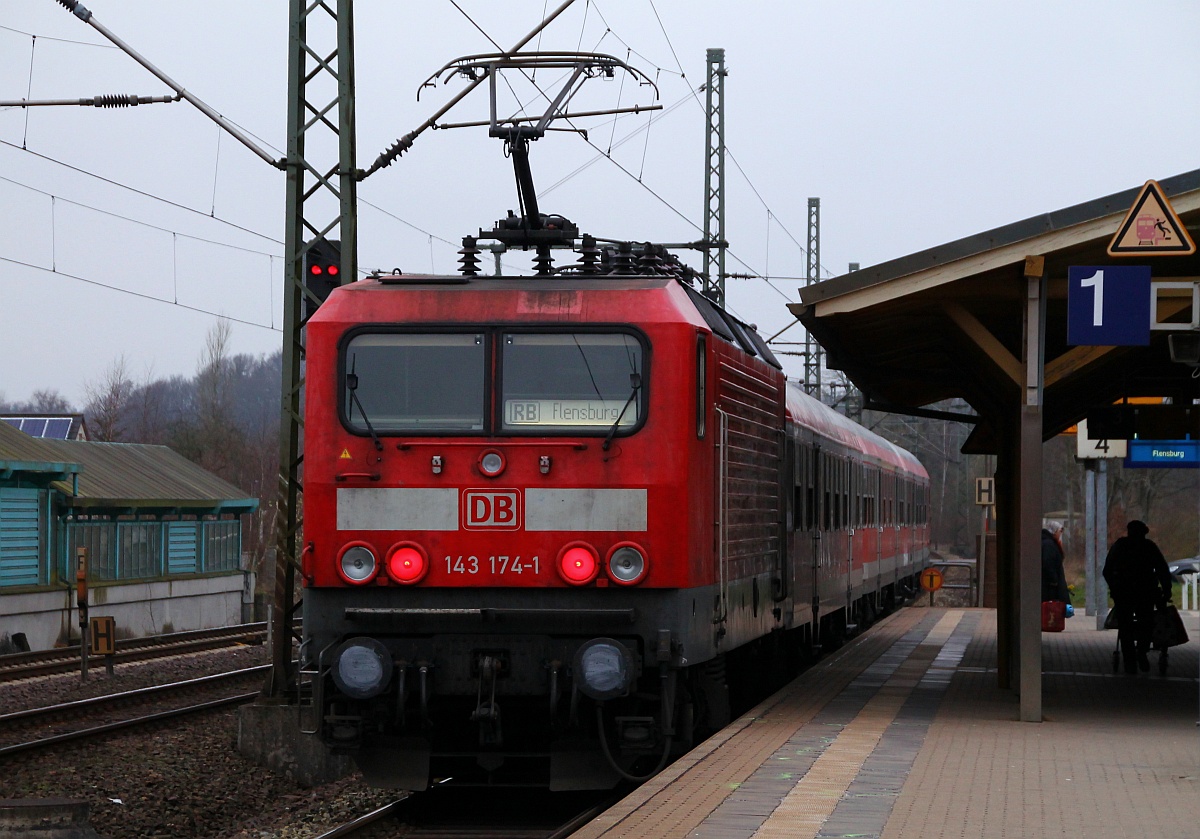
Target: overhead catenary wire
x=140 y=192
x=137 y=294
x=138 y=222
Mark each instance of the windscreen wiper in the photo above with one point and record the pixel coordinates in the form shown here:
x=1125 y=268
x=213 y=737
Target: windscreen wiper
x=635 y=381
x=352 y=386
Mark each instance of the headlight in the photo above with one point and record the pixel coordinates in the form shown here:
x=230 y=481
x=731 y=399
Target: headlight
x=603 y=668
x=362 y=668
x=357 y=564
x=627 y=565
x=491 y=463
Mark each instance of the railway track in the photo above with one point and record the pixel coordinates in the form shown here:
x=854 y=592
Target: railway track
x=66 y=659
x=446 y=812
x=86 y=718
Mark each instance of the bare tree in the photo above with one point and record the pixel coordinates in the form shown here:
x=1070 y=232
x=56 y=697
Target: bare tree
x=41 y=402
x=108 y=403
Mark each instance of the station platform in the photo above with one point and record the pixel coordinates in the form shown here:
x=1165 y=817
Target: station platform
x=903 y=733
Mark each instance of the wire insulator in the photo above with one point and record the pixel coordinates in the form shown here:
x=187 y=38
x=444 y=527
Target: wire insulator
x=469 y=259
x=395 y=150
x=76 y=8
x=114 y=100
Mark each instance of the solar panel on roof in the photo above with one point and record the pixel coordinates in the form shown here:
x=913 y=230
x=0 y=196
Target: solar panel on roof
x=57 y=429
x=48 y=428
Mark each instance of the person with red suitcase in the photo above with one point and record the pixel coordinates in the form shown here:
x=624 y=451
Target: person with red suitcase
x=1055 y=594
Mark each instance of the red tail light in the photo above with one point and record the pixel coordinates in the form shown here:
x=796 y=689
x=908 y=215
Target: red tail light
x=578 y=563
x=407 y=563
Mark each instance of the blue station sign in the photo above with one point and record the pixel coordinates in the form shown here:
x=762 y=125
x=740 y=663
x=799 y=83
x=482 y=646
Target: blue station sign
x=1177 y=454
x=1108 y=305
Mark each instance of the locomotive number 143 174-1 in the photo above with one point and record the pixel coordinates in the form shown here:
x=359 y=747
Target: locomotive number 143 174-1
x=494 y=564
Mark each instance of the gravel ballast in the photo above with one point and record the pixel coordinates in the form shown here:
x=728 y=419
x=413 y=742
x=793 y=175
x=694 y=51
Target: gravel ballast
x=184 y=778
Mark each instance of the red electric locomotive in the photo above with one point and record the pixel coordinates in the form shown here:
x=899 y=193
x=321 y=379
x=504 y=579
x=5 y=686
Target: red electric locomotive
x=540 y=512
x=548 y=519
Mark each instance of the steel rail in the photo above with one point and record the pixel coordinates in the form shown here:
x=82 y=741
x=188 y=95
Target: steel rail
x=65 y=660
x=117 y=698
x=86 y=733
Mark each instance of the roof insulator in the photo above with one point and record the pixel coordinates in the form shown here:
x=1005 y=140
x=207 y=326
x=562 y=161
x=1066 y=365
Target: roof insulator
x=623 y=263
x=543 y=263
x=589 y=256
x=469 y=257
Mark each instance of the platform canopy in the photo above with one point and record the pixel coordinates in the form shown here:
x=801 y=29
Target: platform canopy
x=986 y=319
x=947 y=322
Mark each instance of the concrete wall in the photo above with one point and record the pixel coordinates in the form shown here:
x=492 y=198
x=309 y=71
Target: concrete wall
x=153 y=607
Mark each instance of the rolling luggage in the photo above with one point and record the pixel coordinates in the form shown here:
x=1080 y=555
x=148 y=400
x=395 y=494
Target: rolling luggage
x=1054 y=615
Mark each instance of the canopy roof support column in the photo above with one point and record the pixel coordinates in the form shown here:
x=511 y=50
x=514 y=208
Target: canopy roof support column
x=1029 y=560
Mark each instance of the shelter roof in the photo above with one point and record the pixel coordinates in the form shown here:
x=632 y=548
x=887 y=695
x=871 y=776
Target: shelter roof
x=29 y=459
x=126 y=477
x=947 y=322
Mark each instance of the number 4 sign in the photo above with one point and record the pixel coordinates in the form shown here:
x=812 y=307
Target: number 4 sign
x=1108 y=305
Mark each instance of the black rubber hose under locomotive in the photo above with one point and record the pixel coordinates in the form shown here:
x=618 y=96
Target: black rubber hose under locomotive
x=637 y=779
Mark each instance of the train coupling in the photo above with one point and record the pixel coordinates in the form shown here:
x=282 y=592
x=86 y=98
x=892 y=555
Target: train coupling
x=487 y=712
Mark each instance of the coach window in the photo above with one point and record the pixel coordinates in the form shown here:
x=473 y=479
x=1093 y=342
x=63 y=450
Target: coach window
x=809 y=476
x=414 y=382
x=701 y=384
x=571 y=382
x=826 y=499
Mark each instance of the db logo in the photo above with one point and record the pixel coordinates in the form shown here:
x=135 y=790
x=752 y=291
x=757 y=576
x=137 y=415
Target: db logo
x=491 y=509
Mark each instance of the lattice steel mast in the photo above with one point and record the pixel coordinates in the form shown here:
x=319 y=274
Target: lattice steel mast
x=321 y=185
x=714 y=178
x=812 y=350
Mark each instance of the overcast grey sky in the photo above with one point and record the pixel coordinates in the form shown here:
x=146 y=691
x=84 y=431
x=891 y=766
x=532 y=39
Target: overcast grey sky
x=126 y=232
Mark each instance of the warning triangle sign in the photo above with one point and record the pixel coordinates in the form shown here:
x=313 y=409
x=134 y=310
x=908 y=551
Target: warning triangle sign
x=1151 y=228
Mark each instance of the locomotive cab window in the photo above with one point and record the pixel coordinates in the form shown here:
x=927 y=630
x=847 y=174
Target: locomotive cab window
x=572 y=382
x=408 y=382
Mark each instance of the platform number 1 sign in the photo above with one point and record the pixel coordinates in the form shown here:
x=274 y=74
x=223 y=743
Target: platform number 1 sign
x=1108 y=305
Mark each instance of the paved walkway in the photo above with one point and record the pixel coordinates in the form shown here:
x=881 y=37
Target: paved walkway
x=903 y=733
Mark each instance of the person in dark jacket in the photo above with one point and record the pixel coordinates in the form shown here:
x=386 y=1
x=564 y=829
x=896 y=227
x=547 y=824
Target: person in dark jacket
x=1054 y=579
x=1139 y=581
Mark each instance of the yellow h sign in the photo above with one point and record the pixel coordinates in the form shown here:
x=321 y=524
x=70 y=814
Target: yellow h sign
x=103 y=636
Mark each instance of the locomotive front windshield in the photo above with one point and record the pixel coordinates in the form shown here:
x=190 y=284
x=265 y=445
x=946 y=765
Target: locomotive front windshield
x=571 y=382
x=415 y=382
x=546 y=382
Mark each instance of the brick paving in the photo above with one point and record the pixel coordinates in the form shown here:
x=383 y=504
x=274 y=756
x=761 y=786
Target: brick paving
x=904 y=733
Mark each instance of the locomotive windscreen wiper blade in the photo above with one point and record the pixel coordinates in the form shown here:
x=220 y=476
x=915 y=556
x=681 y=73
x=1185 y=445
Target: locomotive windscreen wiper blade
x=635 y=381
x=352 y=386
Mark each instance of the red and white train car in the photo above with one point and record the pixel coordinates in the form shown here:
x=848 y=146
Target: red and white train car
x=548 y=519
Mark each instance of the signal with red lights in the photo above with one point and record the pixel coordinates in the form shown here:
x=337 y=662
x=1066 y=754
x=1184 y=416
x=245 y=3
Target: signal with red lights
x=322 y=272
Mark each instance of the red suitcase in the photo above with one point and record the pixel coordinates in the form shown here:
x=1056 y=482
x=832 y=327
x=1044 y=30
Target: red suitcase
x=1054 y=615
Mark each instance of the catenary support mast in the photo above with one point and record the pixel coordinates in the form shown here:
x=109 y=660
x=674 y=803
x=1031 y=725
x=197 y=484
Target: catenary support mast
x=812 y=350
x=714 y=178
x=321 y=203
